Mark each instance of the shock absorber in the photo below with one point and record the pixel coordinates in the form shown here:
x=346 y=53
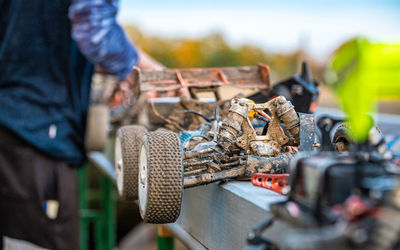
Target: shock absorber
x=232 y=125
x=286 y=113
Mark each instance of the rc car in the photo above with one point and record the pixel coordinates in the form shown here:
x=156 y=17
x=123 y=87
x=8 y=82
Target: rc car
x=204 y=142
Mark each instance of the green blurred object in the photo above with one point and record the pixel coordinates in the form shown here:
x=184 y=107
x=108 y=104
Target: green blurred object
x=165 y=240
x=165 y=243
x=103 y=220
x=362 y=72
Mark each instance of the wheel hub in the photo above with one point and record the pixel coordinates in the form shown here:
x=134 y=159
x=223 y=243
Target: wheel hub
x=119 y=166
x=143 y=178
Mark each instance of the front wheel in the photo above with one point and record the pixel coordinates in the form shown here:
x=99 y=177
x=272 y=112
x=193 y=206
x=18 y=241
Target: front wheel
x=160 y=177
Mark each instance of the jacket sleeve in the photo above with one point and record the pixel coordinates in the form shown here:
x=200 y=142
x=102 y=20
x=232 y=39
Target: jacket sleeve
x=100 y=38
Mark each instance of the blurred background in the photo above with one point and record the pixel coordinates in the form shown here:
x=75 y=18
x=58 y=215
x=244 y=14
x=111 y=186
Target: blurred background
x=281 y=34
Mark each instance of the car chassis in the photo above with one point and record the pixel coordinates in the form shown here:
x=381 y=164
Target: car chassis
x=156 y=166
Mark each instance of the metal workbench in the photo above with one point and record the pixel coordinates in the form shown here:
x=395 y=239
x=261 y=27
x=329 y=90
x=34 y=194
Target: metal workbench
x=219 y=216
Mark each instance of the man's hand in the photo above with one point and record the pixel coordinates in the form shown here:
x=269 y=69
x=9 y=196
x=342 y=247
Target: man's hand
x=128 y=86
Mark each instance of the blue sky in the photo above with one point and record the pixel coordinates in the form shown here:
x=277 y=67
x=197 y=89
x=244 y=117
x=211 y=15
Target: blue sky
x=281 y=26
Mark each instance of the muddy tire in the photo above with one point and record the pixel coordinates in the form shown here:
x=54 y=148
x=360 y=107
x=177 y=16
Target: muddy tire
x=97 y=127
x=127 y=144
x=160 y=177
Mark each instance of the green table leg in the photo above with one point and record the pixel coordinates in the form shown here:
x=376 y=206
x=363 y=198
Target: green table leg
x=108 y=220
x=165 y=240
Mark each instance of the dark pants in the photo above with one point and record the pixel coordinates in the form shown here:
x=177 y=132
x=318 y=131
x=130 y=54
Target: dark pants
x=28 y=178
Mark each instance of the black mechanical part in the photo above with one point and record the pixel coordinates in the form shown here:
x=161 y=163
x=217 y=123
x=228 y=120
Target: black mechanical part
x=308 y=136
x=325 y=125
x=196 y=113
x=254 y=238
x=301 y=90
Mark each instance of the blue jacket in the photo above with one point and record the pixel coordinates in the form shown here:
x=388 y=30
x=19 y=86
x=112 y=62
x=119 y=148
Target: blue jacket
x=44 y=71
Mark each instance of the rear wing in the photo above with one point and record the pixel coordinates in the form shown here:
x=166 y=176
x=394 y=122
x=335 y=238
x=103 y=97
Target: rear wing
x=249 y=77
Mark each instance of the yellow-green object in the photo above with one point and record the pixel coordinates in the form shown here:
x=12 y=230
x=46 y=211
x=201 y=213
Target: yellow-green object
x=362 y=72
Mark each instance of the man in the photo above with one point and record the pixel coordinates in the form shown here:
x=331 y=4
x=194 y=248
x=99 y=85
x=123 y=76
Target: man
x=47 y=52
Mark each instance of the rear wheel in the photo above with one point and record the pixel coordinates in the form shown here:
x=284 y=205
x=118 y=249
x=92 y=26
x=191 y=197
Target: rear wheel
x=160 y=177
x=128 y=141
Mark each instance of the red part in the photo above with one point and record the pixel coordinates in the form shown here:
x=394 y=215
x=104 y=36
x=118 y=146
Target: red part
x=355 y=208
x=273 y=182
x=265 y=115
